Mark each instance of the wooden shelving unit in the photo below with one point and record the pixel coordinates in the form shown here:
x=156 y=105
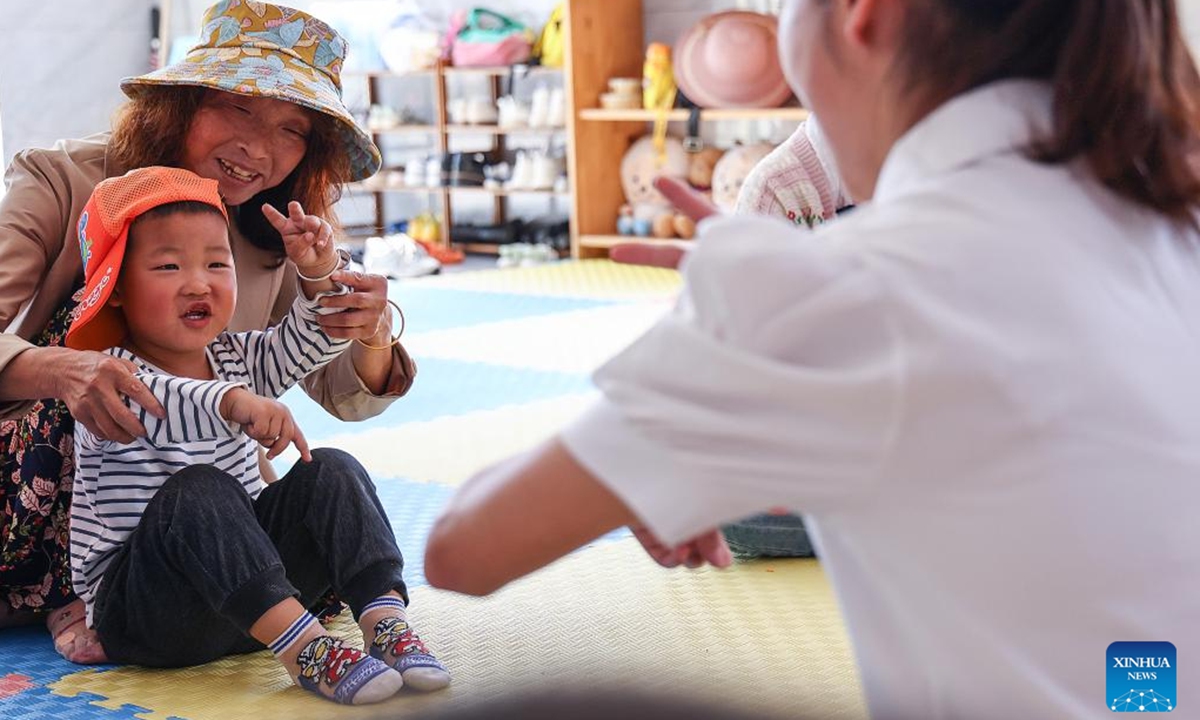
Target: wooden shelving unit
x=386 y=74
x=500 y=71
x=402 y=189
x=497 y=130
x=403 y=129
x=605 y=40
x=785 y=113
x=442 y=130
x=604 y=242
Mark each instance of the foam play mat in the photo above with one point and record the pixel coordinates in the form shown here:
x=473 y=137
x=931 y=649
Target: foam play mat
x=504 y=359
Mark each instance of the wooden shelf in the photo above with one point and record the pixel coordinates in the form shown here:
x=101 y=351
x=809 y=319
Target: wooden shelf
x=496 y=71
x=442 y=135
x=476 y=248
x=502 y=70
x=709 y=115
x=494 y=250
x=400 y=129
x=382 y=188
x=373 y=188
x=424 y=72
x=607 y=241
x=497 y=130
x=507 y=192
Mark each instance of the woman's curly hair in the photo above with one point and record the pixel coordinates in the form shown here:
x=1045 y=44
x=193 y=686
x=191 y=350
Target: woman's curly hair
x=151 y=128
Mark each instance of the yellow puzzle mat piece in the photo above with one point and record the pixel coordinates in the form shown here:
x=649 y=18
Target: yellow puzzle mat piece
x=765 y=636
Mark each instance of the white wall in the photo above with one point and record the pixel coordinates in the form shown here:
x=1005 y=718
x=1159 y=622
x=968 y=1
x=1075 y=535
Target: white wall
x=61 y=62
x=1190 y=9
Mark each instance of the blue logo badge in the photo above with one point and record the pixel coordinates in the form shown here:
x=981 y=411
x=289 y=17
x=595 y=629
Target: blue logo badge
x=85 y=243
x=1141 y=677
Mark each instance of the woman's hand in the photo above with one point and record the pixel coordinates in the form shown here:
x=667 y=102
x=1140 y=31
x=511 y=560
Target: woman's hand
x=363 y=314
x=307 y=239
x=708 y=548
x=94 y=386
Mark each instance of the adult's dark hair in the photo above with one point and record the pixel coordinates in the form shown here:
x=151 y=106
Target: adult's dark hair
x=150 y=130
x=1126 y=89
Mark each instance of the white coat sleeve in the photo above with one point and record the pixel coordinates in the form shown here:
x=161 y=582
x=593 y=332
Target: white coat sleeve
x=776 y=380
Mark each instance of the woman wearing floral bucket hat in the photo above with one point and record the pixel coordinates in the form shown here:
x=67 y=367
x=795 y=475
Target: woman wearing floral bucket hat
x=255 y=106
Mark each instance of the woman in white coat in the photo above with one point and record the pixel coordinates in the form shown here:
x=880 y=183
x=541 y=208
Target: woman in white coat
x=982 y=387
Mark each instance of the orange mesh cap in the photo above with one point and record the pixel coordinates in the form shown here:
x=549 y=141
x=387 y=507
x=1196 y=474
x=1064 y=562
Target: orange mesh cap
x=104 y=232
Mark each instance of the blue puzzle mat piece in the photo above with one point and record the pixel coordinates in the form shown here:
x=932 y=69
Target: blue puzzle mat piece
x=445 y=387
x=41 y=704
x=427 y=309
x=412 y=508
x=29 y=651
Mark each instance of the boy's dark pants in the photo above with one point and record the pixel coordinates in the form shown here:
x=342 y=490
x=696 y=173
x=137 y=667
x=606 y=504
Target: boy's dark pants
x=206 y=561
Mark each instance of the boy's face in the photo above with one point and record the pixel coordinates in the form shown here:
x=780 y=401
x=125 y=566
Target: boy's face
x=177 y=287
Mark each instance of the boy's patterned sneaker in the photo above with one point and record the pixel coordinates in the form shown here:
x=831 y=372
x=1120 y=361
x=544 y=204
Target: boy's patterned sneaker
x=345 y=675
x=397 y=645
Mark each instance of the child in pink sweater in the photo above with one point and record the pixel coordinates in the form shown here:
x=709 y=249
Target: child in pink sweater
x=798 y=180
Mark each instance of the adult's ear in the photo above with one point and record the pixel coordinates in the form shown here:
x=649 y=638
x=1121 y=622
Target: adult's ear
x=872 y=25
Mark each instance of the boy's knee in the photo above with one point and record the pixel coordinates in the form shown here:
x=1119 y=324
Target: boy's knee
x=196 y=494
x=339 y=466
x=201 y=483
x=338 y=462
x=337 y=459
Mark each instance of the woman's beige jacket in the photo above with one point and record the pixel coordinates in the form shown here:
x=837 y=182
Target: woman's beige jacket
x=40 y=265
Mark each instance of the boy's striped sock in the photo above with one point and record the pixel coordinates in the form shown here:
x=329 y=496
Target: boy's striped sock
x=322 y=664
x=394 y=642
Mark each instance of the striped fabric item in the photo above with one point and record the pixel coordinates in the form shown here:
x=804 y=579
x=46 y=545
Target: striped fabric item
x=114 y=482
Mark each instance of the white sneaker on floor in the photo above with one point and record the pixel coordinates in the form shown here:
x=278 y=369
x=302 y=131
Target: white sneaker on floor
x=398 y=256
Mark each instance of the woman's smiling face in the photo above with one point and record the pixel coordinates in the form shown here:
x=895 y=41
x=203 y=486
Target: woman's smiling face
x=247 y=144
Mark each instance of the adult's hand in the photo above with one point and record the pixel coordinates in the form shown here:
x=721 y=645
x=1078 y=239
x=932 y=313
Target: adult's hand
x=94 y=386
x=363 y=314
x=684 y=198
x=708 y=548
x=661 y=253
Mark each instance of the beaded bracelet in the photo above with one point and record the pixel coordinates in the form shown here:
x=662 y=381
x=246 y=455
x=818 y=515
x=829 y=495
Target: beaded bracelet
x=343 y=261
x=395 y=338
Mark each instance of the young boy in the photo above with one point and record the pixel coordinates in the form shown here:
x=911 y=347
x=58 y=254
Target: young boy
x=179 y=550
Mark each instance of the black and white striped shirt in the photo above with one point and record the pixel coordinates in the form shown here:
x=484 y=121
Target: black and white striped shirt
x=115 y=482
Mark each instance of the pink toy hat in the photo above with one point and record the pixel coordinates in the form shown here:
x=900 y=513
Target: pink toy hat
x=731 y=60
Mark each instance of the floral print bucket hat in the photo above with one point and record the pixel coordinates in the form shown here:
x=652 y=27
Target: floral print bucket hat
x=271 y=51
